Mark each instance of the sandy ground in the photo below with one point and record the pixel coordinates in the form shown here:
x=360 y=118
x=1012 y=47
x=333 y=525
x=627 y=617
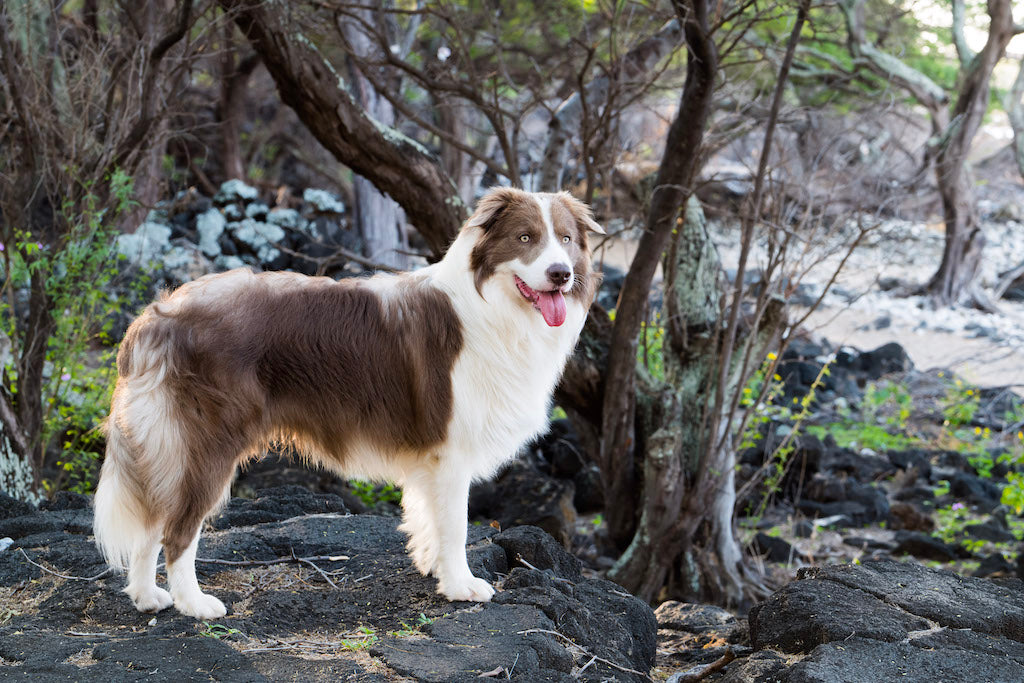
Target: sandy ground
x=933 y=338
x=978 y=361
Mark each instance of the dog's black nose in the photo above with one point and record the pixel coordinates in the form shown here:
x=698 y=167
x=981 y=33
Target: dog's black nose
x=559 y=274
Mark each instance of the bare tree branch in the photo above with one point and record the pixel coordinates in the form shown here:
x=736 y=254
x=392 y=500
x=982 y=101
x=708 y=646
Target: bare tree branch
x=309 y=84
x=566 y=118
x=963 y=52
x=1014 y=104
x=924 y=89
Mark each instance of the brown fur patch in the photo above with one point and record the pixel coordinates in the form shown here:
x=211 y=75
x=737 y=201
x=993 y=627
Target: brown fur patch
x=505 y=214
x=263 y=363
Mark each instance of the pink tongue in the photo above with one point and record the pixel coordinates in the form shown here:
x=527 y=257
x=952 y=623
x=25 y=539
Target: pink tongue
x=552 y=307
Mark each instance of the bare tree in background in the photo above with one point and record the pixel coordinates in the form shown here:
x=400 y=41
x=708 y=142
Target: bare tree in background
x=379 y=220
x=75 y=106
x=629 y=77
x=953 y=130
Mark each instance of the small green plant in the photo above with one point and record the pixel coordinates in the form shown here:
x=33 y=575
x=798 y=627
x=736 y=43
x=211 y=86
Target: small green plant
x=413 y=630
x=960 y=404
x=217 y=631
x=950 y=522
x=363 y=638
x=77 y=272
x=777 y=463
x=857 y=434
x=884 y=413
x=764 y=401
x=1013 y=492
x=372 y=494
x=889 y=403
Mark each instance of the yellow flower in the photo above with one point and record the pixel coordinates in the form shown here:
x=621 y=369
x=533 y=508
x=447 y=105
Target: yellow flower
x=970 y=392
x=772 y=356
x=777 y=377
x=977 y=430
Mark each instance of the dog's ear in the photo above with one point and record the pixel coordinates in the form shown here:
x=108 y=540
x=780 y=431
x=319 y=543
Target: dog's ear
x=582 y=213
x=491 y=205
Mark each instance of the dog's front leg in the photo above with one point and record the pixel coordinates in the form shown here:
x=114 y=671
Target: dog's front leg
x=419 y=519
x=451 y=502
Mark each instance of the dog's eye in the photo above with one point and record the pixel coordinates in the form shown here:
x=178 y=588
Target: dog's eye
x=565 y=239
x=524 y=238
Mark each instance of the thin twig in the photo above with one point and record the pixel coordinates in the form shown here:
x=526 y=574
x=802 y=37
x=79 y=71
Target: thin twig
x=583 y=650
x=339 y=256
x=279 y=560
x=699 y=673
x=65 y=576
x=519 y=558
x=319 y=571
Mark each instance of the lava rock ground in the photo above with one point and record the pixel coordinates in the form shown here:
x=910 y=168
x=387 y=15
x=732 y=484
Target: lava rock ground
x=883 y=621
x=359 y=611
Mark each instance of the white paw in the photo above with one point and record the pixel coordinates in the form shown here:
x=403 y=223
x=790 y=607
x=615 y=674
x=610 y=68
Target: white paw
x=201 y=606
x=471 y=589
x=149 y=599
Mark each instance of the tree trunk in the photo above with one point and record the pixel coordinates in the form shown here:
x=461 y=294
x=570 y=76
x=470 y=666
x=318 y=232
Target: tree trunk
x=965 y=241
x=955 y=279
x=234 y=79
x=692 y=293
x=686 y=539
x=1015 y=112
x=379 y=220
x=672 y=186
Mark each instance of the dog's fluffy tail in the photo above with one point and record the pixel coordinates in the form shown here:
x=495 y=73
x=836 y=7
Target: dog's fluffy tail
x=122 y=521
x=143 y=460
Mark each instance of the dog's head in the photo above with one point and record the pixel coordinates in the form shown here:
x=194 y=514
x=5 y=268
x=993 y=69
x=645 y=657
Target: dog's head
x=535 y=245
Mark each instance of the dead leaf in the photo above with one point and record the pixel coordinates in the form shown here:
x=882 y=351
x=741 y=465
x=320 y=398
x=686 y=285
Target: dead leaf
x=500 y=670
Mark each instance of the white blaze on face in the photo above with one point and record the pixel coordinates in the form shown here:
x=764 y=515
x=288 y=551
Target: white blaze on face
x=535 y=274
x=534 y=279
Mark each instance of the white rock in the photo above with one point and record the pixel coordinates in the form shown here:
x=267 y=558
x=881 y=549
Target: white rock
x=322 y=201
x=210 y=226
x=147 y=244
x=233 y=190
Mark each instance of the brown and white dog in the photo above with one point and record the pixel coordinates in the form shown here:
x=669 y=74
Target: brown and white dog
x=430 y=379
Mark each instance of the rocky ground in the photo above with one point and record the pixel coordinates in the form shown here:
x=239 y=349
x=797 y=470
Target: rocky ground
x=313 y=593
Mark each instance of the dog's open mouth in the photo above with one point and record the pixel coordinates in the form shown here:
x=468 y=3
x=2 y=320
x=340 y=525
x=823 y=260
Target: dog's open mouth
x=550 y=304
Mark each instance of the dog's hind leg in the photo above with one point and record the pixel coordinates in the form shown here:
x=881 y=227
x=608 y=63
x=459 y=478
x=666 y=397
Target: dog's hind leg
x=142 y=588
x=201 y=494
x=450 y=501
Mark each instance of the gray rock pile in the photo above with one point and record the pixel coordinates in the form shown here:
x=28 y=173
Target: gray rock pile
x=192 y=235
